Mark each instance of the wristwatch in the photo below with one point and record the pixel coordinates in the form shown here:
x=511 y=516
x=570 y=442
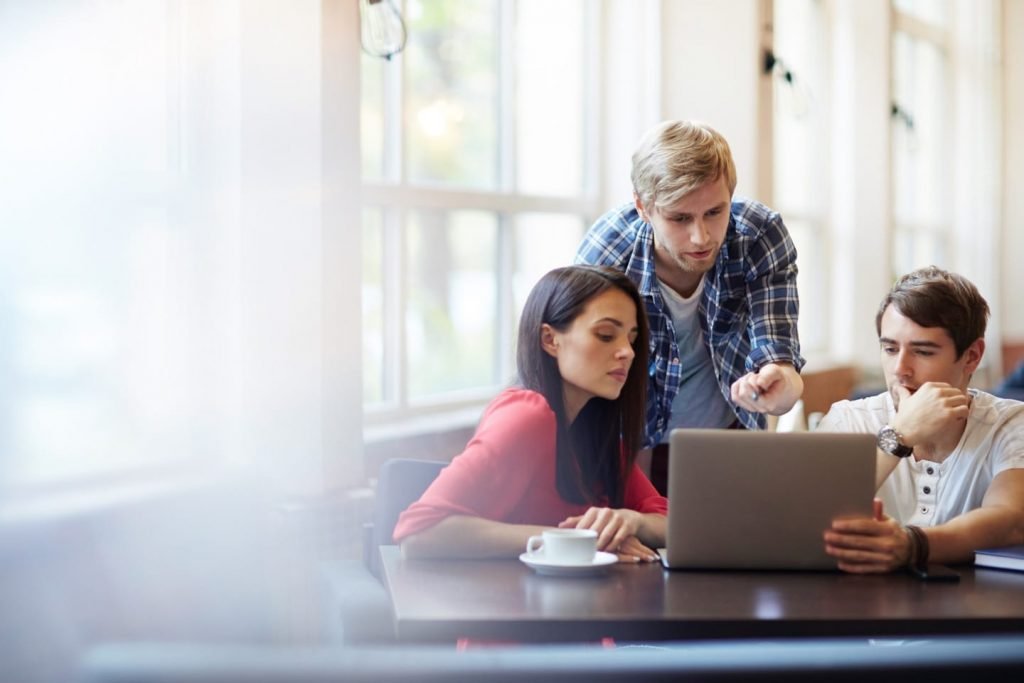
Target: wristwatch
x=890 y=441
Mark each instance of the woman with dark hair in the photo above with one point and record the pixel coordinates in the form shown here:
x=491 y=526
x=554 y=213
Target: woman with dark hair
x=559 y=449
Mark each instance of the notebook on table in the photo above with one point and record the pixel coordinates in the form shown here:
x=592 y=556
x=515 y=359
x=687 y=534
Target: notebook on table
x=1010 y=557
x=762 y=500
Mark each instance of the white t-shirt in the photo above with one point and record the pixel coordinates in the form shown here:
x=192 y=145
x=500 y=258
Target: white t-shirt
x=699 y=401
x=926 y=493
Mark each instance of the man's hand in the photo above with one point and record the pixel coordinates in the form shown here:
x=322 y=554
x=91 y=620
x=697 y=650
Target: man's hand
x=924 y=414
x=773 y=389
x=864 y=545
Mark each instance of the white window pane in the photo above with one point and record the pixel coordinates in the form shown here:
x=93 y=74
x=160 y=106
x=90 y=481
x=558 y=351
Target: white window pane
x=542 y=241
x=935 y=12
x=551 y=98
x=99 y=278
x=800 y=118
x=373 y=306
x=812 y=283
x=921 y=133
x=451 y=92
x=914 y=249
x=451 y=302
x=371 y=120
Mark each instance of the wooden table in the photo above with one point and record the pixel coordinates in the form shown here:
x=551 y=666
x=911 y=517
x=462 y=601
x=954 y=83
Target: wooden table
x=505 y=600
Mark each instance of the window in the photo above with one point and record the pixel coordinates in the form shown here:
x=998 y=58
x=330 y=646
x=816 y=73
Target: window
x=922 y=91
x=477 y=145
x=800 y=121
x=99 y=273
x=167 y=277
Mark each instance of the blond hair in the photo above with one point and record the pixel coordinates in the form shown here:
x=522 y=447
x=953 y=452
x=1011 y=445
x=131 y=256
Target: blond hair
x=675 y=158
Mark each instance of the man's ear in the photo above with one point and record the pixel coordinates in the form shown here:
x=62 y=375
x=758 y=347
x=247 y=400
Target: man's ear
x=640 y=207
x=972 y=355
x=548 y=342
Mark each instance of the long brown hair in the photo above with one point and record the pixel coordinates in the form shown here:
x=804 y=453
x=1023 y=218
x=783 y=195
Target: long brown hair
x=595 y=454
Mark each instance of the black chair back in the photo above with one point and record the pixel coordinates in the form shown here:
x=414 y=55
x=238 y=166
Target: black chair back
x=401 y=482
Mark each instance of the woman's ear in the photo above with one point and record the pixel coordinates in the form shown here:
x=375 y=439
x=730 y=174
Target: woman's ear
x=548 y=340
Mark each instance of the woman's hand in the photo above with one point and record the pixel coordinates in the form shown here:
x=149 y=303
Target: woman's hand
x=632 y=550
x=617 y=531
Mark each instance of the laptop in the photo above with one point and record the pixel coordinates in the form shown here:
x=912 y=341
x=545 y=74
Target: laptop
x=761 y=500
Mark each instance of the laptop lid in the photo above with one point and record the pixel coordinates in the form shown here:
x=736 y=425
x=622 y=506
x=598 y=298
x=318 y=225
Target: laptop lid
x=762 y=500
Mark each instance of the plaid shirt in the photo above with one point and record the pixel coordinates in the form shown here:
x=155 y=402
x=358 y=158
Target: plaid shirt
x=748 y=311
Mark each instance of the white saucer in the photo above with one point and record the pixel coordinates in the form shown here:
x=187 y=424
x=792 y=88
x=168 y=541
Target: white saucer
x=540 y=565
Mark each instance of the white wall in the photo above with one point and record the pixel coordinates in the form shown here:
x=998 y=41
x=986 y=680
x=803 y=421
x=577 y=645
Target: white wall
x=301 y=310
x=711 y=72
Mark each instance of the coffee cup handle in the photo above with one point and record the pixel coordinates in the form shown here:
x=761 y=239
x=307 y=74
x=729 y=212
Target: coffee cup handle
x=534 y=543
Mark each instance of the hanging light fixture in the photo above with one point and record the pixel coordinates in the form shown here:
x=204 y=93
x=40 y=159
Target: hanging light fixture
x=382 y=30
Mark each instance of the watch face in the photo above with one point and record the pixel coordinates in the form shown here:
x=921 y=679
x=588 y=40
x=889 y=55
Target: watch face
x=889 y=441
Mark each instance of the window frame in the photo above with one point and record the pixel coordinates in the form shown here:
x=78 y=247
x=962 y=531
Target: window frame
x=941 y=233
x=395 y=196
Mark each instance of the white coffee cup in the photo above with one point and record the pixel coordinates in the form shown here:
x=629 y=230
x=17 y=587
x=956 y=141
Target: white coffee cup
x=564 y=546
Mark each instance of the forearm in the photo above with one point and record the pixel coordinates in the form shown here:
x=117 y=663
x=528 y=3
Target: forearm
x=469 y=537
x=885 y=463
x=986 y=527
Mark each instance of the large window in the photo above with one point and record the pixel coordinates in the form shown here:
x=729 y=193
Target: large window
x=166 y=287
x=800 y=120
x=922 y=92
x=98 y=268
x=478 y=142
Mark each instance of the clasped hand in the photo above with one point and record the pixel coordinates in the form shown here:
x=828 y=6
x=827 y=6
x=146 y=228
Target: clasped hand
x=617 y=531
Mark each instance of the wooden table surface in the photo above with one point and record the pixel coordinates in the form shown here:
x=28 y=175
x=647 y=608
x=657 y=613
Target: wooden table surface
x=444 y=600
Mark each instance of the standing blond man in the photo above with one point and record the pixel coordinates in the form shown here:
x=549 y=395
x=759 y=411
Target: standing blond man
x=718 y=278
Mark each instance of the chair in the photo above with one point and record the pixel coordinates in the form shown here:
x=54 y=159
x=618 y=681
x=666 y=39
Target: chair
x=360 y=611
x=401 y=482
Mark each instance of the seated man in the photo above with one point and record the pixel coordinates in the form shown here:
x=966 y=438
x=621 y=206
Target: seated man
x=950 y=459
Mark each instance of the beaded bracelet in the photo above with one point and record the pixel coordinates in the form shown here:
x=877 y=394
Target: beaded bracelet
x=919 y=550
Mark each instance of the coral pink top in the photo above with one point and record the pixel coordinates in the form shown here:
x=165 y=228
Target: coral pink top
x=507 y=473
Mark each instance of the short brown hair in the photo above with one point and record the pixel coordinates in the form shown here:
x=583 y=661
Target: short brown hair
x=933 y=297
x=675 y=158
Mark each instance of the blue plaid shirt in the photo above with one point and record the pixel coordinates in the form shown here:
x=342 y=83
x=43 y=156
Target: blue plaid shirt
x=748 y=311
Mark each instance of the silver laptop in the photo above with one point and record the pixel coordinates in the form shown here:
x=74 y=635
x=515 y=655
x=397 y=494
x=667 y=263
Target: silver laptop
x=761 y=500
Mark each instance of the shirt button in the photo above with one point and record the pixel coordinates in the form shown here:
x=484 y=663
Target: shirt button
x=924 y=511
x=927 y=489
x=930 y=470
